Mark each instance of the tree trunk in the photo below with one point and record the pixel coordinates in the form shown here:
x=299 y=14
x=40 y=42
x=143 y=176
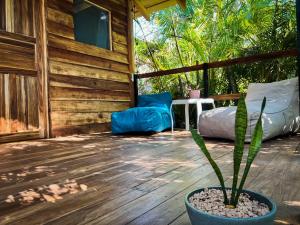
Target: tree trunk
x=178 y=50
x=151 y=56
x=232 y=87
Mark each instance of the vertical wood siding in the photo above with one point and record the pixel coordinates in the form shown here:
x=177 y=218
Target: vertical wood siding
x=87 y=83
x=18 y=76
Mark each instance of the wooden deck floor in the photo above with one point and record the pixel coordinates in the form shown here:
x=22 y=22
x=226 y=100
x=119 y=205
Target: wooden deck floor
x=135 y=180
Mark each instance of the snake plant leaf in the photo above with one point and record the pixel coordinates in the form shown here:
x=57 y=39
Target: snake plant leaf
x=241 y=122
x=253 y=150
x=200 y=142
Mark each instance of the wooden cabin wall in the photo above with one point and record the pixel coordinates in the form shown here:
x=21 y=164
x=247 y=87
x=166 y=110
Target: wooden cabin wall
x=19 y=105
x=87 y=83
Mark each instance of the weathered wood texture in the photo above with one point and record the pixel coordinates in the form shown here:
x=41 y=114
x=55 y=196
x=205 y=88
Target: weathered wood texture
x=18 y=109
x=226 y=97
x=18 y=73
x=146 y=8
x=136 y=180
x=44 y=70
x=40 y=8
x=86 y=82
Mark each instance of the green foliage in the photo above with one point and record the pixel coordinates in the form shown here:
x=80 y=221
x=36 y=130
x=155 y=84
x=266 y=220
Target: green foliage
x=253 y=150
x=240 y=133
x=200 y=142
x=211 y=30
x=241 y=123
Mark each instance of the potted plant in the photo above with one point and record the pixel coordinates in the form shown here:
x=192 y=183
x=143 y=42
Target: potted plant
x=193 y=91
x=223 y=205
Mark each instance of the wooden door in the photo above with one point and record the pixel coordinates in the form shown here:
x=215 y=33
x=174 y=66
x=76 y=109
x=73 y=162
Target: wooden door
x=19 y=73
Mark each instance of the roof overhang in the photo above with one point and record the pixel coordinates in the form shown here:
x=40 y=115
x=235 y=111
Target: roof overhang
x=146 y=7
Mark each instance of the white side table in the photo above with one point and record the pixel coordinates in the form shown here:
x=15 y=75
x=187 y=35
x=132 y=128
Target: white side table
x=187 y=102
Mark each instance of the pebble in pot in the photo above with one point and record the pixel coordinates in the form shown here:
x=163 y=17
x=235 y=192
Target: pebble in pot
x=206 y=207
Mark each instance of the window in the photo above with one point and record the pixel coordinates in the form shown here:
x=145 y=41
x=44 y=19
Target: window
x=92 y=24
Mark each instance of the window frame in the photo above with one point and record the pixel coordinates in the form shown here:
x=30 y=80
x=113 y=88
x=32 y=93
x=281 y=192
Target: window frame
x=109 y=24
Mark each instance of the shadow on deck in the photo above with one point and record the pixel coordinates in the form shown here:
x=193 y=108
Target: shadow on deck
x=104 y=179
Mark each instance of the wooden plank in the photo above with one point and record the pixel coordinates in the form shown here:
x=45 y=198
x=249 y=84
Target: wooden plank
x=165 y=213
x=22 y=102
x=88 y=106
x=182 y=3
x=90 y=83
x=68 y=44
x=99 y=208
x=136 y=180
x=126 y=213
x=17 y=37
x=119 y=28
x=7 y=102
x=23 y=17
x=120 y=48
x=60 y=17
x=61 y=55
x=119 y=21
x=84 y=71
x=73 y=119
x=32 y=103
x=119 y=38
x=115 y=7
x=81 y=129
x=172 y=213
x=83 y=171
x=2 y=106
x=15 y=49
x=153 y=6
x=2 y=15
x=226 y=97
x=61 y=5
x=225 y=63
x=24 y=72
x=65 y=85
x=130 y=37
x=20 y=136
x=9 y=14
x=13 y=104
x=64 y=93
x=42 y=67
x=182 y=219
x=60 y=30
x=16 y=61
x=141 y=8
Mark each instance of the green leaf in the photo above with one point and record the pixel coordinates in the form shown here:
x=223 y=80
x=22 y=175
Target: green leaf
x=241 y=122
x=253 y=150
x=200 y=142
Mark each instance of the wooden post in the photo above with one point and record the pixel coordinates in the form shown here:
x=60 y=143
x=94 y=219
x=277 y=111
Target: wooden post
x=130 y=37
x=298 y=43
x=131 y=58
x=198 y=75
x=136 y=88
x=42 y=66
x=205 y=79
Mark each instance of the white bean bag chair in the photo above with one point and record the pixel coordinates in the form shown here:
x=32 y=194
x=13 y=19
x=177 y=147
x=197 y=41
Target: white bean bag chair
x=281 y=115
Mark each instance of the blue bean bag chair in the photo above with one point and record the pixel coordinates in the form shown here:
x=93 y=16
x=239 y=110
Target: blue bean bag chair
x=152 y=114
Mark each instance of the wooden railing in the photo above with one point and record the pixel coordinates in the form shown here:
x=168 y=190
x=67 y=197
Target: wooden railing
x=217 y=64
x=226 y=97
